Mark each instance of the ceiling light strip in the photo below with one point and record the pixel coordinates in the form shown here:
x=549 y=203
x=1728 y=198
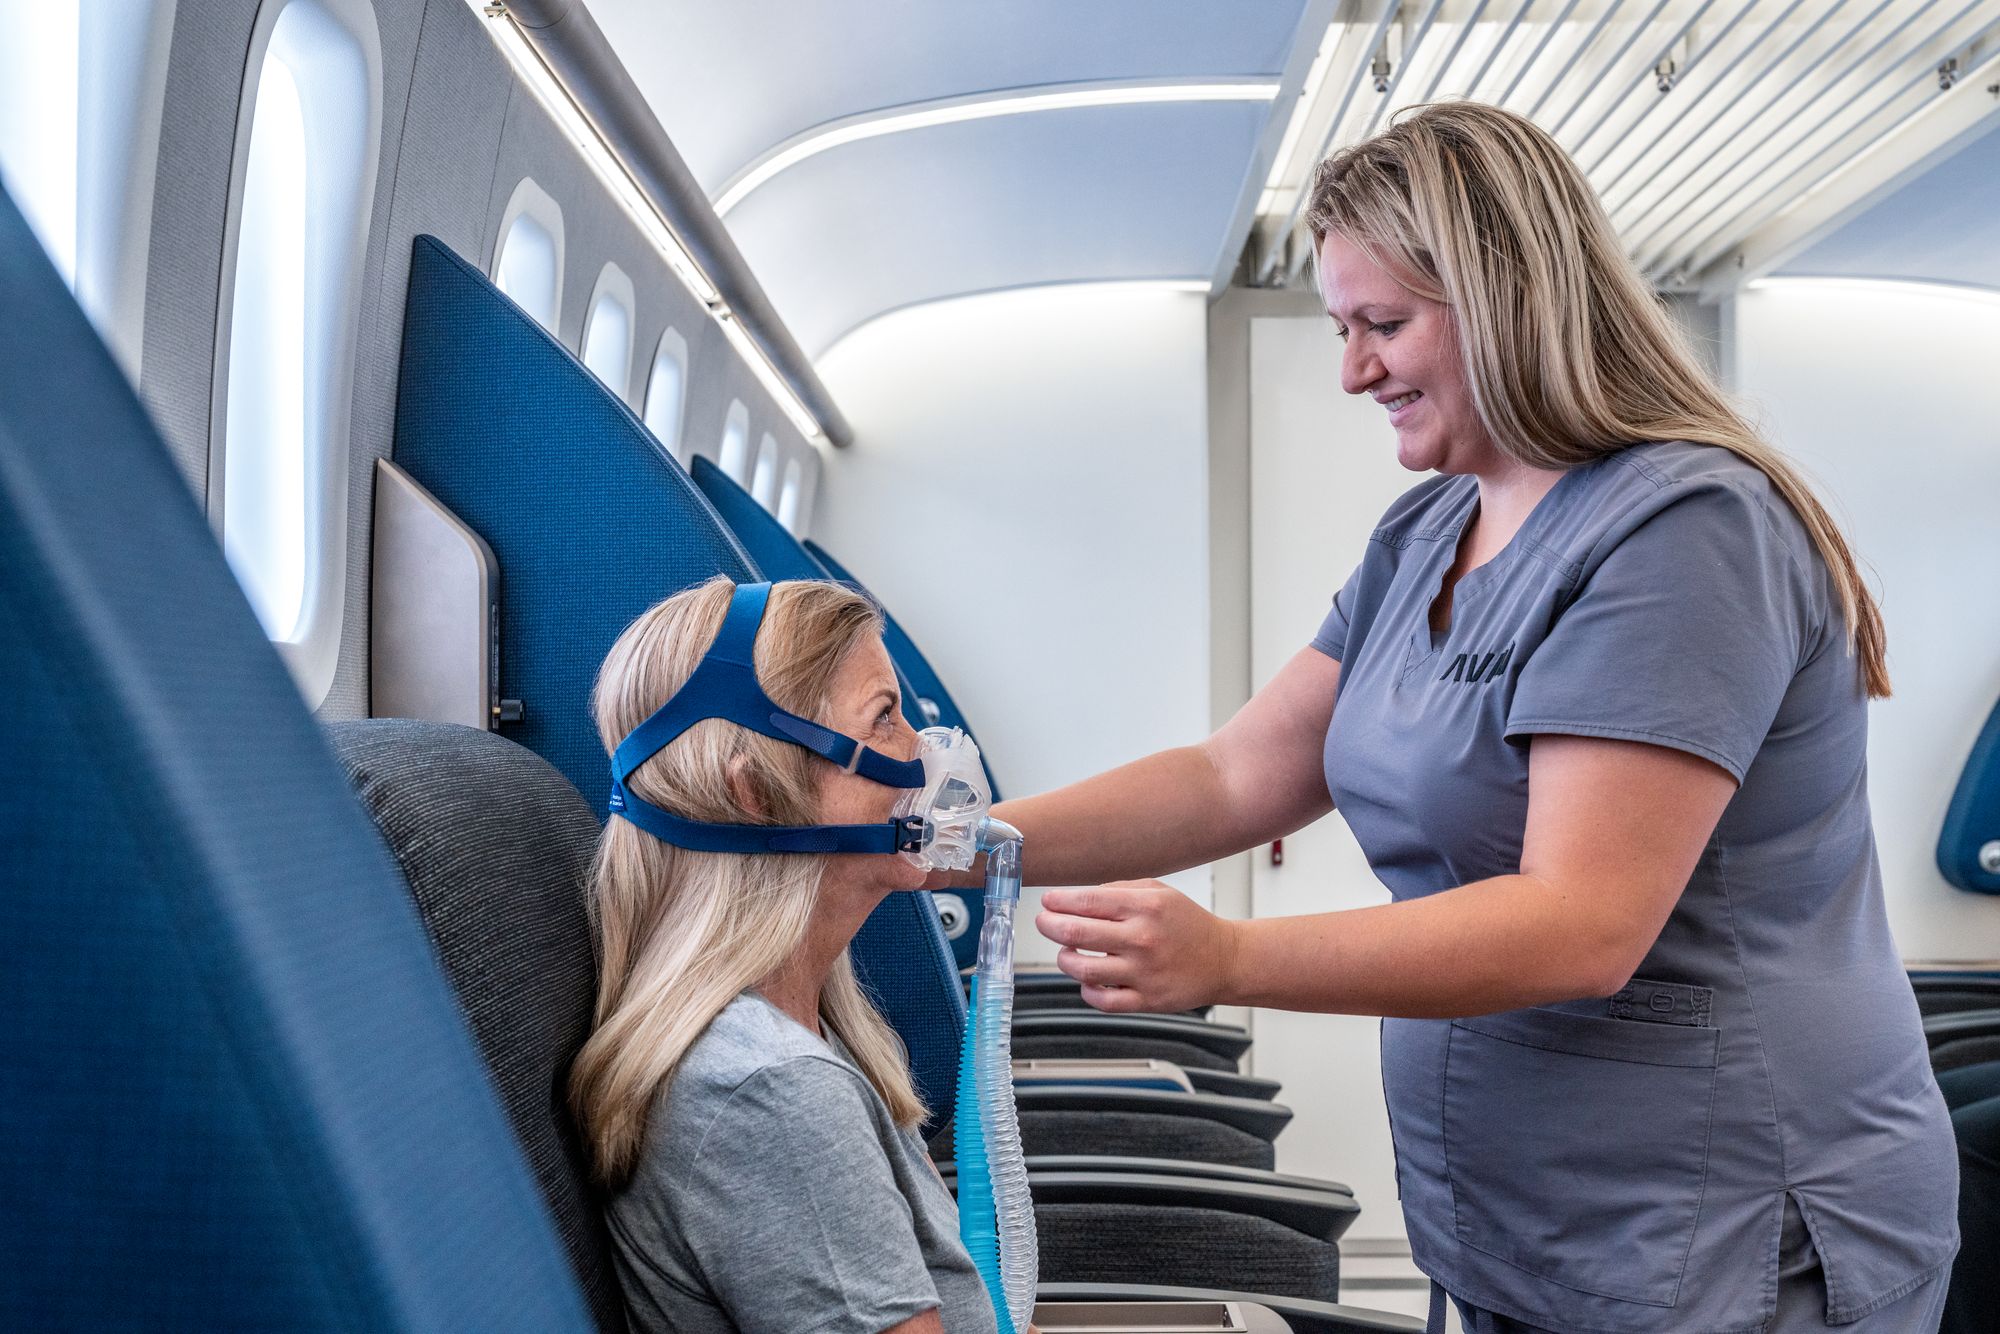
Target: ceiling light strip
x=1458 y=44
x=1681 y=79
x=1499 y=49
x=1576 y=57
x=1754 y=145
x=983 y=106
x=1722 y=235
x=1611 y=65
x=549 y=92
x=1535 y=55
x=1750 y=119
x=1720 y=242
x=1274 y=255
x=1645 y=73
x=1681 y=113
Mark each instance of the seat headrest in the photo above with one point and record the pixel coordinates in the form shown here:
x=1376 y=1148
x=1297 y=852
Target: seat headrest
x=496 y=849
x=238 y=1090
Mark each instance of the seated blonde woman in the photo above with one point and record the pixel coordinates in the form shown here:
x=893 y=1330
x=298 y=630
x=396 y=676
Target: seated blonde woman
x=750 y=1112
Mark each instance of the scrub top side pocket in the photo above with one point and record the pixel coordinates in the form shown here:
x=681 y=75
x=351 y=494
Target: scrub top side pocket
x=1577 y=1147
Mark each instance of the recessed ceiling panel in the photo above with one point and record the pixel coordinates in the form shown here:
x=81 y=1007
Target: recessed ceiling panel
x=1097 y=194
x=1944 y=226
x=730 y=79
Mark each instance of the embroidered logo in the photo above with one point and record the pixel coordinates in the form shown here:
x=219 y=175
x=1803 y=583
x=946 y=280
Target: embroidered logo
x=1474 y=669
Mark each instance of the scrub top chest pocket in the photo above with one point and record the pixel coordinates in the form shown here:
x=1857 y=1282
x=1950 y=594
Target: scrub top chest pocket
x=1577 y=1146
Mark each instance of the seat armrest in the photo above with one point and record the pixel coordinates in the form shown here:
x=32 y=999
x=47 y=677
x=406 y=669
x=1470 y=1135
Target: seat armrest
x=1228 y=1041
x=1233 y=1085
x=1131 y=1073
x=1304 y=1317
x=1316 y=1214
x=1256 y=1176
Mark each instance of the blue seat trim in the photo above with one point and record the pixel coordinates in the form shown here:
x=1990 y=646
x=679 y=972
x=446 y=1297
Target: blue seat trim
x=239 y=1093
x=1973 y=818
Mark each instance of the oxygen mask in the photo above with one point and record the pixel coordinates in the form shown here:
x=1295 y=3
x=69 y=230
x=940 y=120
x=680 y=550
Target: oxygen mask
x=953 y=800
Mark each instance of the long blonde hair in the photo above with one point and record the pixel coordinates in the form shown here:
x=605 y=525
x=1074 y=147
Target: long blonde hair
x=1568 y=353
x=680 y=933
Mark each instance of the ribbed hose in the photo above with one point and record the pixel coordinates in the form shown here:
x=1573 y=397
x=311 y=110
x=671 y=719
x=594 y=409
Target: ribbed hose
x=996 y=1217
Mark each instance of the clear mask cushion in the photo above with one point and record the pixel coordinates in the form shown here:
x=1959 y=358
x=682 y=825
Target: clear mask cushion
x=953 y=800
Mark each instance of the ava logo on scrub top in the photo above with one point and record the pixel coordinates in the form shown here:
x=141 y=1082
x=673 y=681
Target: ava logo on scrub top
x=1472 y=668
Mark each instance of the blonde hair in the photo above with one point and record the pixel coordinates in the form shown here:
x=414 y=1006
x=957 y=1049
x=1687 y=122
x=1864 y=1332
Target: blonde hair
x=681 y=933
x=1568 y=353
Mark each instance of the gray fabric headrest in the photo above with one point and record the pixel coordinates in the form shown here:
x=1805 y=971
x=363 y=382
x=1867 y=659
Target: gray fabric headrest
x=496 y=847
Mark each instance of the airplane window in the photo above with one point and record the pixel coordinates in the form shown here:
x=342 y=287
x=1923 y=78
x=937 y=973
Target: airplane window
x=764 y=487
x=301 y=211
x=528 y=264
x=39 y=69
x=735 y=457
x=666 y=391
x=607 y=330
x=788 y=497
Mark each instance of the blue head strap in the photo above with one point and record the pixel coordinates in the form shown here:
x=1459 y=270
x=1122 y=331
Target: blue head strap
x=725 y=686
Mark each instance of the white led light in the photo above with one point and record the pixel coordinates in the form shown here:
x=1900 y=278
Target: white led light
x=1309 y=94
x=982 y=106
x=576 y=126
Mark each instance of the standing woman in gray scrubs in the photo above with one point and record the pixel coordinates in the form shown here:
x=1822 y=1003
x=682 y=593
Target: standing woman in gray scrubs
x=1594 y=703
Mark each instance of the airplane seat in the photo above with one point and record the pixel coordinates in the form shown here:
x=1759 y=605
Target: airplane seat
x=238 y=1093
x=1968 y=850
x=1112 y=1244
x=488 y=404
x=496 y=848
x=1955 y=992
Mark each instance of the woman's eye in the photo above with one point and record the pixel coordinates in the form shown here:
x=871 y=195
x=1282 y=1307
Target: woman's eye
x=1387 y=329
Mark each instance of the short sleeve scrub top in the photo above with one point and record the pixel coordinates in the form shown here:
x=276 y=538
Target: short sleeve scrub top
x=1622 y=1164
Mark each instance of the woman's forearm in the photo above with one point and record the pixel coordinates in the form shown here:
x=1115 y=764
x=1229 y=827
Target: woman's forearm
x=1151 y=817
x=1493 y=945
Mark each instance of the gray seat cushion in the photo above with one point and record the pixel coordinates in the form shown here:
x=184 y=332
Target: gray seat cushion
x=496 y=848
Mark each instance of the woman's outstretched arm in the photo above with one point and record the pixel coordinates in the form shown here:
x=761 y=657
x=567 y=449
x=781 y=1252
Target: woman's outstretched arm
x=1614 y=831
x=1258 y=778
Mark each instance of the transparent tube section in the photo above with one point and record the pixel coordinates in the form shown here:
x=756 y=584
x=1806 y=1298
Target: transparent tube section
x=996 y=1217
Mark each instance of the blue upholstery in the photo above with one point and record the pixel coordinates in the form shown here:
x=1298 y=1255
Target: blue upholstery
x=590 y=520
x=1973 y=818
x=592 y=523
x=777 y=553
x=237 y=1093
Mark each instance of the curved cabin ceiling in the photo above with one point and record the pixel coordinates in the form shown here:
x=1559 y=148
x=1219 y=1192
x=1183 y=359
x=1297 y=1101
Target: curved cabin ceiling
x=1018 y=186
x=872 y=154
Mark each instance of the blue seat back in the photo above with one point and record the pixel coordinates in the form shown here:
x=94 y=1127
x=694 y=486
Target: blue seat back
x=592 y=522
x=237 y=1091
x=1972 y=821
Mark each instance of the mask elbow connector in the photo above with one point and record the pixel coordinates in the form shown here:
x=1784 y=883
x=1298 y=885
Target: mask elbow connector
x=992 y=833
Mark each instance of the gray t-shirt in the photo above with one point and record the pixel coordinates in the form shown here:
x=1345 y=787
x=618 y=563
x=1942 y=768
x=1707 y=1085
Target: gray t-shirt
x=775 y=1192
x=1622 y=1163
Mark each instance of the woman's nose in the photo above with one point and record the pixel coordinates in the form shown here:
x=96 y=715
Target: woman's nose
x=1359 y=368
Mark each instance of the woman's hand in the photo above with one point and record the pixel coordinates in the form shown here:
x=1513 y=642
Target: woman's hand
x=1161 y=951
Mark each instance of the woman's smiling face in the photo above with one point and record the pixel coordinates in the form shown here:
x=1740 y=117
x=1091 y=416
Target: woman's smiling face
x=1402 y=351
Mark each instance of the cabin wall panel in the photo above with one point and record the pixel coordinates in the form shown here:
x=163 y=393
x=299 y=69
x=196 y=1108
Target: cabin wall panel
x=205 y=75
x=1028 y=492
x=458 y=132
x=445 y=91
x=1885 y=395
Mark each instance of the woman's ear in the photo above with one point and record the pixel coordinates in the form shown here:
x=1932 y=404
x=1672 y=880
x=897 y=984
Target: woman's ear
x=741 y=789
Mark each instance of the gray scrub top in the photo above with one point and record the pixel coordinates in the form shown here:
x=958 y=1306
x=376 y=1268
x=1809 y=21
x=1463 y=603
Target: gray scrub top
x=1620 y=1164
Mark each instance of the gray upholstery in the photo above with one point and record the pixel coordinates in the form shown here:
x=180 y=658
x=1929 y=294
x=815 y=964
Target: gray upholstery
x=496 y=848
x=1122 y=1243
x=1130 y=1135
